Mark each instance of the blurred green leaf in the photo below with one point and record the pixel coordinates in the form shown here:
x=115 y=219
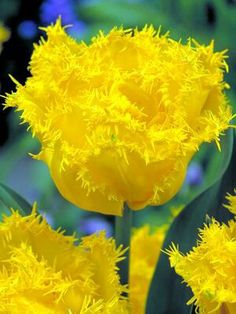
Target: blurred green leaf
x=10 y=199
x=167 y=292
x=192 y=309
x=116 y=13
x=8 y=8
x=217 y=160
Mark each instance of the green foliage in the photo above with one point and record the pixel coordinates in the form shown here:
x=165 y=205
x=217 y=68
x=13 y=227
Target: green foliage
x=106 y=14
x=118 y=12
x=8 y=8
x=10 y=199
x=167 y=293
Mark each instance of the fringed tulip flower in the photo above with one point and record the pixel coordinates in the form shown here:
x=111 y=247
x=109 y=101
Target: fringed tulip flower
x=120 y=118
x=42 y=271
x=209 y=268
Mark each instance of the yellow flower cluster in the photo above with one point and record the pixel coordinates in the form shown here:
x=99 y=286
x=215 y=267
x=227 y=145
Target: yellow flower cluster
x=209 y=268
x=145 y=251
x=43 y=272
x=119 y=119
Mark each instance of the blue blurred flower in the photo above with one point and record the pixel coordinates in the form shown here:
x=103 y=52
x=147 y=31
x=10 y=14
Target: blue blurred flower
x=27 y=29
x=194 y=174
x=94 y=224
x=77 y=28
x=50 y=10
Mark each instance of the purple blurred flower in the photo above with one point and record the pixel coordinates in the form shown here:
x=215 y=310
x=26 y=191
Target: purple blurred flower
x=50 y=10
x=194 y=174
x=27 y=29
x=95 y=224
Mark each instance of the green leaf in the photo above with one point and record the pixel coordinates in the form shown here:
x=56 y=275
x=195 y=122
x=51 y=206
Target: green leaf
x=10 y=199
x=8 y=8
x=167 y=292
x=193 y=309
x=120 y=13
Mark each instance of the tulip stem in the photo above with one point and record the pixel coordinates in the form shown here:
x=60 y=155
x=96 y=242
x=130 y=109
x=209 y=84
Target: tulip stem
x=123 y=227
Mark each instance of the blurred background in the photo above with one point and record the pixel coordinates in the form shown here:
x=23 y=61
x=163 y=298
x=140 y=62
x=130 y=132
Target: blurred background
x=204 y=20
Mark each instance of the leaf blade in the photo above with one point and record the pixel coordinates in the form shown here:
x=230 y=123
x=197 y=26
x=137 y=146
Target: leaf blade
x=10 y=199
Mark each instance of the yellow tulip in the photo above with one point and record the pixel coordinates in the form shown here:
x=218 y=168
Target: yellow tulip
x=42 y=271
x=120 y=118
x=209 y=268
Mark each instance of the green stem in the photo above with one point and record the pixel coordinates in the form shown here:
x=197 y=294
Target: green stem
x=123 y=234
